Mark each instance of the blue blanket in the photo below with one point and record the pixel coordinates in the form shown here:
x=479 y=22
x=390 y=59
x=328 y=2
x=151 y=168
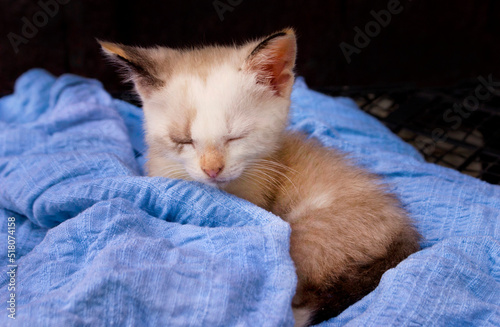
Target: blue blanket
x=96 y=243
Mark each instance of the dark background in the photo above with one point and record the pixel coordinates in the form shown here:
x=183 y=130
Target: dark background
x=429 y=43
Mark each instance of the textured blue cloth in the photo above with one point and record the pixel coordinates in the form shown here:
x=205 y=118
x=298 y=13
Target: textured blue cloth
x=98 y=244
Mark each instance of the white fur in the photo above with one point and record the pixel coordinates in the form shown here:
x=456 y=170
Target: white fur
x=302 y=316
x=318 y=199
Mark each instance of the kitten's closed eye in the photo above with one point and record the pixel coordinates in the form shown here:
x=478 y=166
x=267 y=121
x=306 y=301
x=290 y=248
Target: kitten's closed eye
x=234 y=138
x=182 y=141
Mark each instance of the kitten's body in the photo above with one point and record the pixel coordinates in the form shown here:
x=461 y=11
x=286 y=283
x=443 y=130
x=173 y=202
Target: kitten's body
x=219 y=116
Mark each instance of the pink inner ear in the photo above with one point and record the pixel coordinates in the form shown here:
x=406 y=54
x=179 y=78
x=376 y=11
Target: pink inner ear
x=274 y=64
x=283 y=79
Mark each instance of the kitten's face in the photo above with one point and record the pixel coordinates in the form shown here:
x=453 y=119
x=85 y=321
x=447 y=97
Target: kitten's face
x=212 y=112
x=215 y=127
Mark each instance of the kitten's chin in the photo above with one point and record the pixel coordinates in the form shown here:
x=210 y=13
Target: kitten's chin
x=217 y=182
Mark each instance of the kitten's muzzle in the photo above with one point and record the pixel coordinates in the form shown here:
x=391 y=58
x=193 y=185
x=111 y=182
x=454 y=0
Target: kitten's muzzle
x=212 y=161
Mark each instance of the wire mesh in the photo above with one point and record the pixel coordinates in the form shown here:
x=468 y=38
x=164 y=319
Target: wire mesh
x=456 y=127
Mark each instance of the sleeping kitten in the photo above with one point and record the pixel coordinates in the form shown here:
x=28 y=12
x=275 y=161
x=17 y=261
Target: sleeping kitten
x=218 y=115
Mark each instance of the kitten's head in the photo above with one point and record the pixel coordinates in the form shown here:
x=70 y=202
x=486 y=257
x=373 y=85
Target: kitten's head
x=212 y=112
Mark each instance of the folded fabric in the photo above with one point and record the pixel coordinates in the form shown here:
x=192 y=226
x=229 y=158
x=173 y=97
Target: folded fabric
x=99 y=244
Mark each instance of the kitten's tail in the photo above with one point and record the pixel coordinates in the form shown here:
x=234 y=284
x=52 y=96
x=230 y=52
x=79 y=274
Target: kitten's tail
x=303 y=316
x=319 y=303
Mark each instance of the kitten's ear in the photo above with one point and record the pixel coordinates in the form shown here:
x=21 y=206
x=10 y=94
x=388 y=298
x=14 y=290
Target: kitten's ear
x=273 y=60
x=139 y=65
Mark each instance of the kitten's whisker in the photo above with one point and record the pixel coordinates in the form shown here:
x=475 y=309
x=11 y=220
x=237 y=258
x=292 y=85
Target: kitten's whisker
x=279 y=164
x=279 y=167
x=257 y=179
x=272 y=169
x=280 y=182
x=273 y=179
x=174 y=171
x=276 y=164
x=171 y=170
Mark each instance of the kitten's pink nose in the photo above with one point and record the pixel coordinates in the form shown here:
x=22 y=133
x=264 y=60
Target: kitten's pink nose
x=213 y=172
x=212 y=161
